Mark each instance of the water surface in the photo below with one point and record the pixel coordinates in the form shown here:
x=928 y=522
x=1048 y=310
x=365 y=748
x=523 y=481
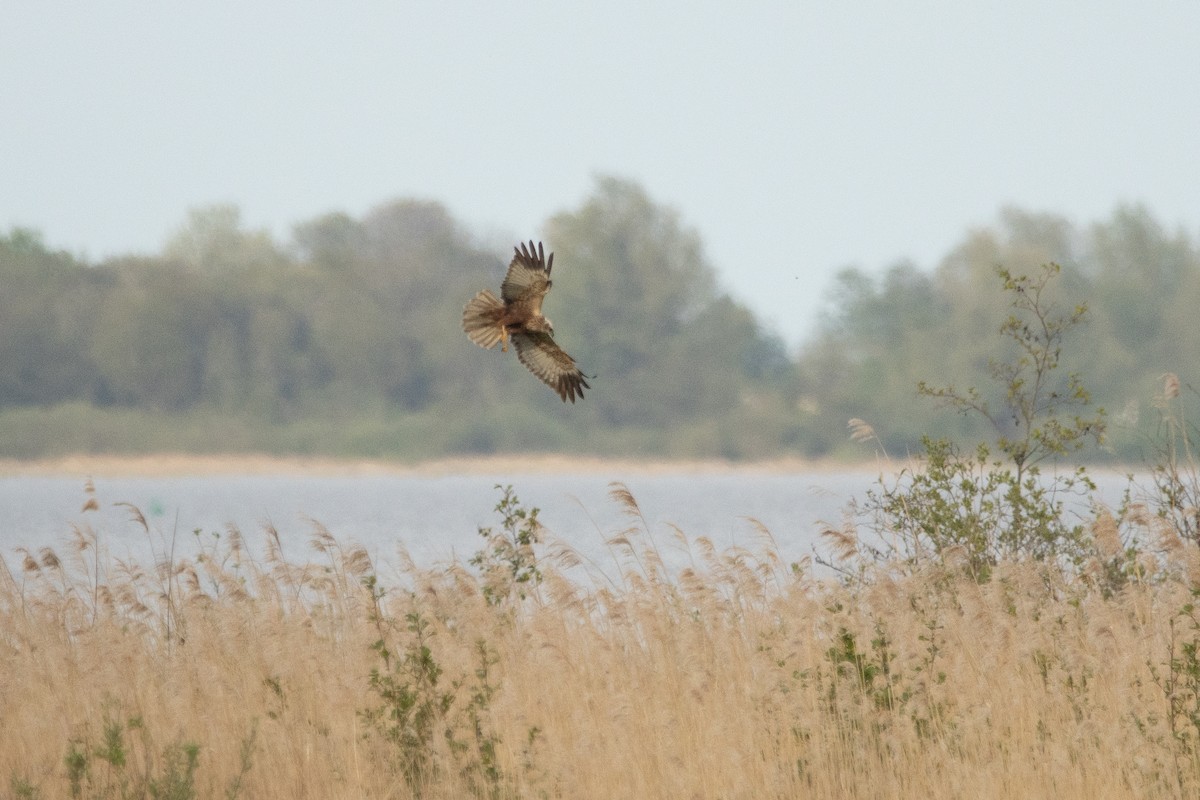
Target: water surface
x=435 y=518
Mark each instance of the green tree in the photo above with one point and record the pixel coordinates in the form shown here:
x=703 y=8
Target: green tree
x=1139 y=270
x=984 y=508
x=386 y=318
x=213 y=240
x=647 y=317
x=46 y=323
x=1038 y=417
x=330 y=242
x=882 y=334
x=878 y=335
x=150 y=333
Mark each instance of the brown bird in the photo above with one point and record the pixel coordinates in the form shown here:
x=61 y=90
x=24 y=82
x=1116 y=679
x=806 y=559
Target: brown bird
x=517 y=316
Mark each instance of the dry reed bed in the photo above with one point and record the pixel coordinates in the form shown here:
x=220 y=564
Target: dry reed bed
x=735 y=677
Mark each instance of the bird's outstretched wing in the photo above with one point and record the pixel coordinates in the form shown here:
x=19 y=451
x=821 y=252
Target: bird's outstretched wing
x=551 y=364
x=528 y=275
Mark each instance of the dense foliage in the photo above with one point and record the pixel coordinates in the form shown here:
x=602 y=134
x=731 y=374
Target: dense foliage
x=884 y=335
x=346 y=339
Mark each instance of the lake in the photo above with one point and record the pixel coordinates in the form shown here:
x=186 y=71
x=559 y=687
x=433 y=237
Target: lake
x=436 y=518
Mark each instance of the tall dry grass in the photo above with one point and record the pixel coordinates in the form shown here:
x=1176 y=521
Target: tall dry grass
x=736 y=676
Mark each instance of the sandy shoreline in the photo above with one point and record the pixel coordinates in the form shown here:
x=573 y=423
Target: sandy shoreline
x=182 y=464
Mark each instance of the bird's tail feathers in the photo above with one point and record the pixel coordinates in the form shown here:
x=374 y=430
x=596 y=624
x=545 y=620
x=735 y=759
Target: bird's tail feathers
x=481 y=319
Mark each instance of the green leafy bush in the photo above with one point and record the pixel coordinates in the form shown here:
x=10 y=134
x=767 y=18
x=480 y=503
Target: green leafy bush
x=976 y=509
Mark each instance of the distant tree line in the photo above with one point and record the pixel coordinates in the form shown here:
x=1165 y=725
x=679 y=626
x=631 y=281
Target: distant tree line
x=358 y=321
x=346 y=339
x=882 y=334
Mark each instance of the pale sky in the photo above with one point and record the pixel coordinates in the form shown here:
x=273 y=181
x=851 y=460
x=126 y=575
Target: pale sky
x=795 y=137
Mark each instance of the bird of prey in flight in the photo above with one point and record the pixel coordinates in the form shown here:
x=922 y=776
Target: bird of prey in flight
x=516 y=316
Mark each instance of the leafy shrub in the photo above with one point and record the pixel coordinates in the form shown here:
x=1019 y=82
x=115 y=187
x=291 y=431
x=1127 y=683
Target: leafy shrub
x=978 y=508
x=507 y=561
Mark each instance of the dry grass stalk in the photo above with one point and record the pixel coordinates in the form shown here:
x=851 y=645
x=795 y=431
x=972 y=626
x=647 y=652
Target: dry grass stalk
x=729 y=677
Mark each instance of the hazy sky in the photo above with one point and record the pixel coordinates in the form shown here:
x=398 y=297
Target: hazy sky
x=796 y=137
